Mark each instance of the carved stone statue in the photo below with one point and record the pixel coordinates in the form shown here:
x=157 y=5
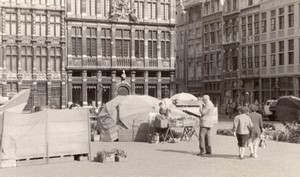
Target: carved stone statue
x=121 y=10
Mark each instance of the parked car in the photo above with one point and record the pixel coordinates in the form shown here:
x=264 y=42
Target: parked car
x=269 y=109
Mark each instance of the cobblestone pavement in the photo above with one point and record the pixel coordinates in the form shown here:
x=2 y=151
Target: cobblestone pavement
x=177 y=159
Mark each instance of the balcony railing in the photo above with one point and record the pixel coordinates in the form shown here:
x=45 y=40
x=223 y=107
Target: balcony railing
x=124 y=62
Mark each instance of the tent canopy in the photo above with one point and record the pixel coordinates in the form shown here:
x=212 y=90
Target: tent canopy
x=183 y=96
x=288 y=109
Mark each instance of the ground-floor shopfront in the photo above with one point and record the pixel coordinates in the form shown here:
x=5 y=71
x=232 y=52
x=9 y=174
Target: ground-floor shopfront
x=97 y=87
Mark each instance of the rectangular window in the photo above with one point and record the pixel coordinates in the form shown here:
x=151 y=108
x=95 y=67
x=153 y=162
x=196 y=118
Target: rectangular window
x=106 y=42
x=250 y=57
x=165 y=9
x=256 y=56
x=55 y=22
x=26 y=23
x=11 y=58
x=55 y=59
x=76 y=37
x=250 y=2
x=26 y=58
x=11 y=23
x=40 y=25
x=244 y=55
x=139 y=44
x=281 y=18
x=263 y=55
x=273 y=51
x=264 y=22
x=41 y=59
x=165 y=45
x=139 y=9
x=152 y=9
x=273 y=20
x=291 y=16
x=123 y=45
x=152 y=44
x=212 y=64
x=291 y=51
x=256 y=24
x=91 y=41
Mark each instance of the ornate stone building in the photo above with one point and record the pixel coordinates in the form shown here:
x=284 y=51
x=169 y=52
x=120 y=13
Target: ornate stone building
x=32 y=50
x=119 y=47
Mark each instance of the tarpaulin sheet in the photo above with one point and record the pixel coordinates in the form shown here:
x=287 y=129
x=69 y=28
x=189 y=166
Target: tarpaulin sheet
x=45 y=134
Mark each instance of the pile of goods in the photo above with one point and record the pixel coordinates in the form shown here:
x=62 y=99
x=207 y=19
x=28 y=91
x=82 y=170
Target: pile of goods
x=114 y=155
x=291 y=134
x=226 y=132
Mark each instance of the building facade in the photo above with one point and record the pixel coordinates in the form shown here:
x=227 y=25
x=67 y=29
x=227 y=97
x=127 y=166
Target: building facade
x=189 y=47
x=32 y=50
x=212 y=50
x=118 y=48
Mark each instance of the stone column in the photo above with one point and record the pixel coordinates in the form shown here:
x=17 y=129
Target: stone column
x=63 y=94
x=113 y=84
x=295 y=86
x=146 y=10
x=172 y=48
x=146 y=82
x=172 y=84
x=146 y=48
x=99 y=87
x=84 y=49
x=133 y=59
x=158 y=10
x=69 y=46
x=49 y=98
x=98 y=10
x=4 y=89
x=99 y=51
x=34 y=93
x=159 y=84
x=260 y=91
x=172 y=11
x=133 y=82
x=70 y=99
x=83 y=7
x=113 y=42
x=159 y=49
x=84 y=88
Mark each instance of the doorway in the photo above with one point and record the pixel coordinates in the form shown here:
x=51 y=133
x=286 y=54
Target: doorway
x=77 y=94
x=123 y=91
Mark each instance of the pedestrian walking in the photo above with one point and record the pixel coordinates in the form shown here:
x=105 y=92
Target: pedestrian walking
x=206 y=123
x=242 y=126
x=257 y=130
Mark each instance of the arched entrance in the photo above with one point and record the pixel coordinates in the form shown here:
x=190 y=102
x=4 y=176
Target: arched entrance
x=123 y=91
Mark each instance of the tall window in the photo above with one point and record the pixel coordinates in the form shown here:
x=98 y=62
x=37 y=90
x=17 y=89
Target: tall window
x=219 y=32
x=26 y=58
x=273 y=20
x=11 y=23
x=26 y=23
x=234 y=29
x=281 y=18
x=55 y=23
x=76 y=41
x=235 y=4
x=105 y=7
x=91 y=41
x=106 y=42
x=212 y=33
x=263 y=55
x=281 y=53
x=165 y=9
x=244 y=55
x=250 y=2
x=244 y=31
x=91 y=7
x=11 y=58
x=152 y=44
x=55 y=58
x=139 y=8
x=256 y=24
x=41 y=59
x=206 y=65
x=250 y=56
x=165 y=45
x=40 y=24
x=219 y=63
x=123 y=43
x=263 y=22
x=139 y=89
x=152 y=9
x=250 y=30
x=42 y=2
x=291 y=51
x=139 y=43
x=256 y=56
x=273 y=52
x=291 y=16
x=212 y=64
x=206 y=34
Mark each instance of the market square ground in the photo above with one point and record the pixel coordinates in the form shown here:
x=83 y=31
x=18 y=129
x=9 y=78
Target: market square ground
x=179 y=159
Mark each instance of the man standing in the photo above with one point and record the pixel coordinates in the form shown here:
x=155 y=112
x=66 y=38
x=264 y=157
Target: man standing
x=206 y=123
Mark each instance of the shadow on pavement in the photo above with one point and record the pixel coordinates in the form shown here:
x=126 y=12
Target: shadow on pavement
x=176 y=151
x=224 y=156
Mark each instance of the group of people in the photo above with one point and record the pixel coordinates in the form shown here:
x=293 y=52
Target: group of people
x=247 y=127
